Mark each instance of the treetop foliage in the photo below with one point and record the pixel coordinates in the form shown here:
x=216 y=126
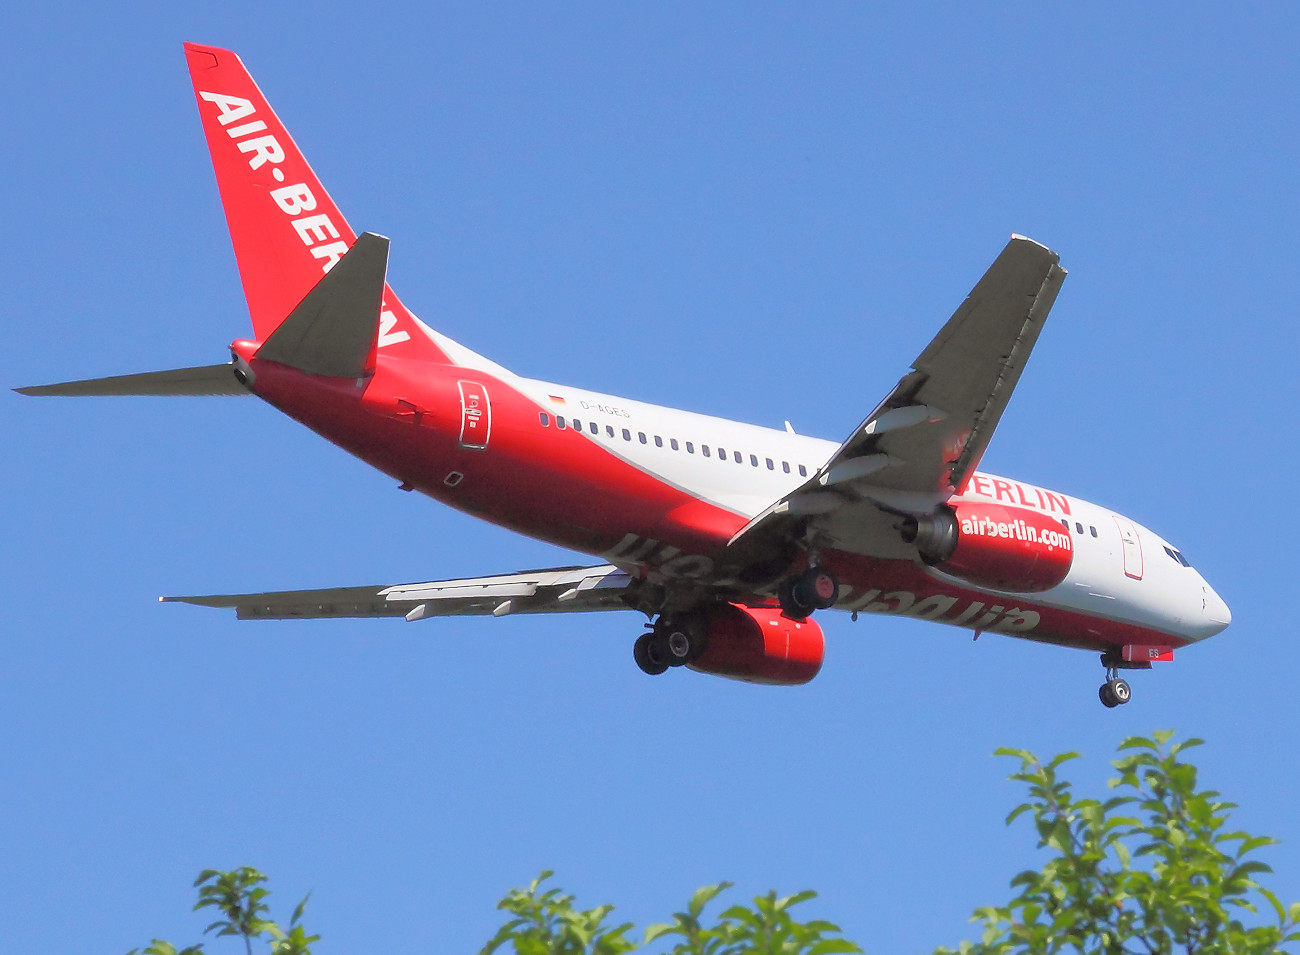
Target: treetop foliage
x=1152 y=869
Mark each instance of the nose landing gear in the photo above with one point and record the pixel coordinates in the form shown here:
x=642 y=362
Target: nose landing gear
x=1114 y=692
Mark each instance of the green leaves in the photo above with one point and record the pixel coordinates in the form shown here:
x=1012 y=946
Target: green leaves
x=1163 y=877
x=1152 y=869
x=547 y=923
x=238 y=897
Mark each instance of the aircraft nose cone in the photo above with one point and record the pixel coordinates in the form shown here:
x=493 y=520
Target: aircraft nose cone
x=1216 y=611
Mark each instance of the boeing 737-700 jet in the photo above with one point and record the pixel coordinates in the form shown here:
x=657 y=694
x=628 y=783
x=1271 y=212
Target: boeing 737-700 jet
x=726 y=536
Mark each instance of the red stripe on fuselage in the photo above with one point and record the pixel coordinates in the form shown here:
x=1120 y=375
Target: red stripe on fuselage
x=559 y=486
x=908 y=589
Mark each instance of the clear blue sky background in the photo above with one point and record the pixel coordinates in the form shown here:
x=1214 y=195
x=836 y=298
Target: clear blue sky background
x=760 y=213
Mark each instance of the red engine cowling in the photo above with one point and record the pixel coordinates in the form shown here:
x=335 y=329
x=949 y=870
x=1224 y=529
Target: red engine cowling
x=991 y=545
x=760 y=645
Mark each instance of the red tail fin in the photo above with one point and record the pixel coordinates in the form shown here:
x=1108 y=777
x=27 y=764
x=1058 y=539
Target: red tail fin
x=286 y=229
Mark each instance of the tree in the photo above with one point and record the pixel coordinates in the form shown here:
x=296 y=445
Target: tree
x=1152 y=869
x=548 y=924
x=238 y=895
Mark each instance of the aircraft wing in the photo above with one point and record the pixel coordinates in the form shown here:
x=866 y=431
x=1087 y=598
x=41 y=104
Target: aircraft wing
x=923 y=441
x=561 y=589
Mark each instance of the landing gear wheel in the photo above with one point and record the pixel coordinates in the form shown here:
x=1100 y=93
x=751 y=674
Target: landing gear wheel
x=678 y=645
x=651 y=653
x=815 y=589
x=1121 y=691
x=1115 y=692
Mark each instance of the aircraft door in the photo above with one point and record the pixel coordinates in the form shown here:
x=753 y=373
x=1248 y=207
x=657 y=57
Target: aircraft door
x=1131 y=545
x=475 y=416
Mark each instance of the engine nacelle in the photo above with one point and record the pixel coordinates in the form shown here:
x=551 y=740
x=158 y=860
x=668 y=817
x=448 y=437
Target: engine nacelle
x=991 y=545
x=759 y=645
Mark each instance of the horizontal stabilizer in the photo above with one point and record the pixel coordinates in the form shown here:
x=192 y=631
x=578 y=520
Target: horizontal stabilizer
x=333 y=330
x=206 y=380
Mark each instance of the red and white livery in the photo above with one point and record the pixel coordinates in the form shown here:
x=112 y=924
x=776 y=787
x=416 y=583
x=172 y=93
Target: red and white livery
x=727 y=536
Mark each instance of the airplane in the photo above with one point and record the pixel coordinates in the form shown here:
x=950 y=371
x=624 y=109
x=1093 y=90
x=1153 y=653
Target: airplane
x=727 y=537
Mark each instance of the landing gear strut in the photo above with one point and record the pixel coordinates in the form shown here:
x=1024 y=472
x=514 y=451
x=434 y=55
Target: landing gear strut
x=667 y=644
x=815 y=589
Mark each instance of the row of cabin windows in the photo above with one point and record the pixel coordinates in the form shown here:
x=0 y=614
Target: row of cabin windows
x=705 y=450
x=1078 y=527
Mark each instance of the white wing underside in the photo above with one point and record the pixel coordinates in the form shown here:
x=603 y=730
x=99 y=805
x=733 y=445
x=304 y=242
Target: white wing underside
x=557 y=590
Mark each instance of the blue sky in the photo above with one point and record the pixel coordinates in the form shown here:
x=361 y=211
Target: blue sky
x=763 y=214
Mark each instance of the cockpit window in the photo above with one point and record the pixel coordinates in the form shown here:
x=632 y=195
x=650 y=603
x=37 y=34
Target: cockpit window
x=1177 y=555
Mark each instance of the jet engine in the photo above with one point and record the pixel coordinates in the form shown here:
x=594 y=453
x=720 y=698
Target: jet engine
x=759 y=645
x=991 y=545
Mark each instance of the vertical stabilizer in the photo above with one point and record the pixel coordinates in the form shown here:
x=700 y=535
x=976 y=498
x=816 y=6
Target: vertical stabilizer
x=287 y=231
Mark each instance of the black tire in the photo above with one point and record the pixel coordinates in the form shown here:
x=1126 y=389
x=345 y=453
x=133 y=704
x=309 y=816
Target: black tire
x=816 y=588
x=642 y=654
x=1107 y=696
x=789 y=606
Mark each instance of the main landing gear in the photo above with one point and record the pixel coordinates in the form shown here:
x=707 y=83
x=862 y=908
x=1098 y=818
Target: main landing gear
x=667 y=644
x=815 y=589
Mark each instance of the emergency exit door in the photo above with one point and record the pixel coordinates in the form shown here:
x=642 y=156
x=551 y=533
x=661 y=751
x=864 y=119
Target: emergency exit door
x=475 y=416
x=1131 y=545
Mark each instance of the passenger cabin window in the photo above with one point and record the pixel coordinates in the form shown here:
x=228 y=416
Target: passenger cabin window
x=609 y=430
x=722 y=454
x=595 y=428
x=659 y=442
x=785 y=466
x=641 y=436
x=704 y=450
x=672 y=442
x=803 y=471
x=1093 y=529
x=1078 y=527
x=559 y=421
x=739 y=459
x=690 y=448
x=753 y=459
x=770 y=465
x=545 y=419
x=627 y=435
